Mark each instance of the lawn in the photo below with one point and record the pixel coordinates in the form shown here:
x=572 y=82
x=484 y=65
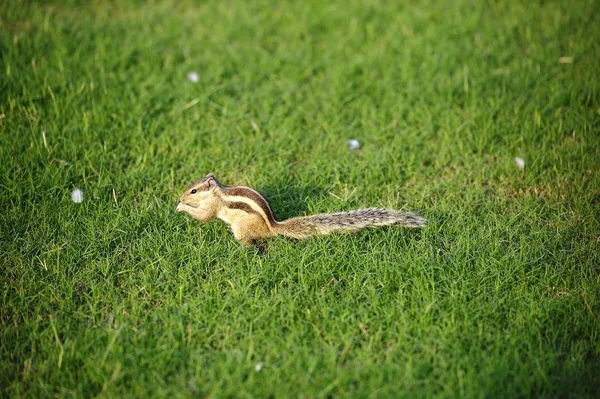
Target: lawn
x=120 y=296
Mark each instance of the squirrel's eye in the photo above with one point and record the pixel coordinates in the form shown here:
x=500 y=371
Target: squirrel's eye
x=194 y=191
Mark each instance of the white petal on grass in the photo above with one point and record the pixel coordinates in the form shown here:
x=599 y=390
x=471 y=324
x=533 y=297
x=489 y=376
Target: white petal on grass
x=258 y=366
x=520 y=162
x=193 y=77
x=77 y=196
x=353 y=144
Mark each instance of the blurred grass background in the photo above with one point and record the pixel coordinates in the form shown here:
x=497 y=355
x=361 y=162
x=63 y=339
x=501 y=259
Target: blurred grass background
x=120 y=296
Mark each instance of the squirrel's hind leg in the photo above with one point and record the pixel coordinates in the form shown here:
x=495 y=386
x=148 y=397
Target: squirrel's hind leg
x=246 y=241
x=259 y=245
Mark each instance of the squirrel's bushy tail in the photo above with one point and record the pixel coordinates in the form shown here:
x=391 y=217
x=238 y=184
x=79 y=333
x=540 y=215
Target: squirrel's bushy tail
x=309 y=226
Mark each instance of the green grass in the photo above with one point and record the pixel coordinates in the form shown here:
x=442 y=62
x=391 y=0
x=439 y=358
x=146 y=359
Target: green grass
x=121 y=296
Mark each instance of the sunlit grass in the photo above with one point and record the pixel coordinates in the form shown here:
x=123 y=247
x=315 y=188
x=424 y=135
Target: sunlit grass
x=121 y=296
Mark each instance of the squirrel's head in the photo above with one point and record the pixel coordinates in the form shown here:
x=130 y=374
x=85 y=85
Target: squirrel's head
x=200 y=199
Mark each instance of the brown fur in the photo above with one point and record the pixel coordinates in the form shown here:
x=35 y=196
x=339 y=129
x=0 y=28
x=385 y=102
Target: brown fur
x=308 y=226
x=250 y=217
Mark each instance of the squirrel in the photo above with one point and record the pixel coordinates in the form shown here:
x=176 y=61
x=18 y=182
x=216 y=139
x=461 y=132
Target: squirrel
x=250 y=217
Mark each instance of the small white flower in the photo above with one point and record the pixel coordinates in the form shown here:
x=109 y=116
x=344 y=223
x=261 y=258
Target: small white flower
x=193 y=77
x=258 y=366
x=520 y=163
x=353 y=144
x=77 y=196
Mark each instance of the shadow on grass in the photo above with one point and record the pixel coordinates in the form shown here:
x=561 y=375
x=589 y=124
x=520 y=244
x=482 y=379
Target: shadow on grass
x=289 y=200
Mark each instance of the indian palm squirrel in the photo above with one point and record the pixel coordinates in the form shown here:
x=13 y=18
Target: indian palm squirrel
x=250 y=217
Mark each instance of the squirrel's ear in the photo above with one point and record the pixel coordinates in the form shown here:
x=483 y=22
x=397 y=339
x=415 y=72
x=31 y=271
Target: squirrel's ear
x=210 y=179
